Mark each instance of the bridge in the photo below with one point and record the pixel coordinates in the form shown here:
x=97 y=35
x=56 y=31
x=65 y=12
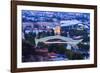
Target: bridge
x=67 y=40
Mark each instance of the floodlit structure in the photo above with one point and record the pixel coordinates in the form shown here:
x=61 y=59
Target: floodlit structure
x=57 y=30
x=67 y=40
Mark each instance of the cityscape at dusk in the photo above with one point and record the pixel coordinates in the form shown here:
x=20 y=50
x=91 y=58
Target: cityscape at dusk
x=55 y=36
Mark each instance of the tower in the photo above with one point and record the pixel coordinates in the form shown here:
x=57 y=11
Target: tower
x=57 y=30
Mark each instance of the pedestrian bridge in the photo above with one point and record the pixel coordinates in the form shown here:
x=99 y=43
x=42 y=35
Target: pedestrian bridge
x=67 y=40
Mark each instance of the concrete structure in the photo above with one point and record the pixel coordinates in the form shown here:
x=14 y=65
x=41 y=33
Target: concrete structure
x=68 y=40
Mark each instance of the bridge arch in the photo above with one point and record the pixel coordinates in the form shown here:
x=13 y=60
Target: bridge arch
x=67 y=40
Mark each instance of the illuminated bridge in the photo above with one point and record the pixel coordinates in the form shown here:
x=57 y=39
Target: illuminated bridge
x=67 y=40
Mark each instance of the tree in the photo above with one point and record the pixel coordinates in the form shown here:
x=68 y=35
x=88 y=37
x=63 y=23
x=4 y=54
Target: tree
x=74 y=55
